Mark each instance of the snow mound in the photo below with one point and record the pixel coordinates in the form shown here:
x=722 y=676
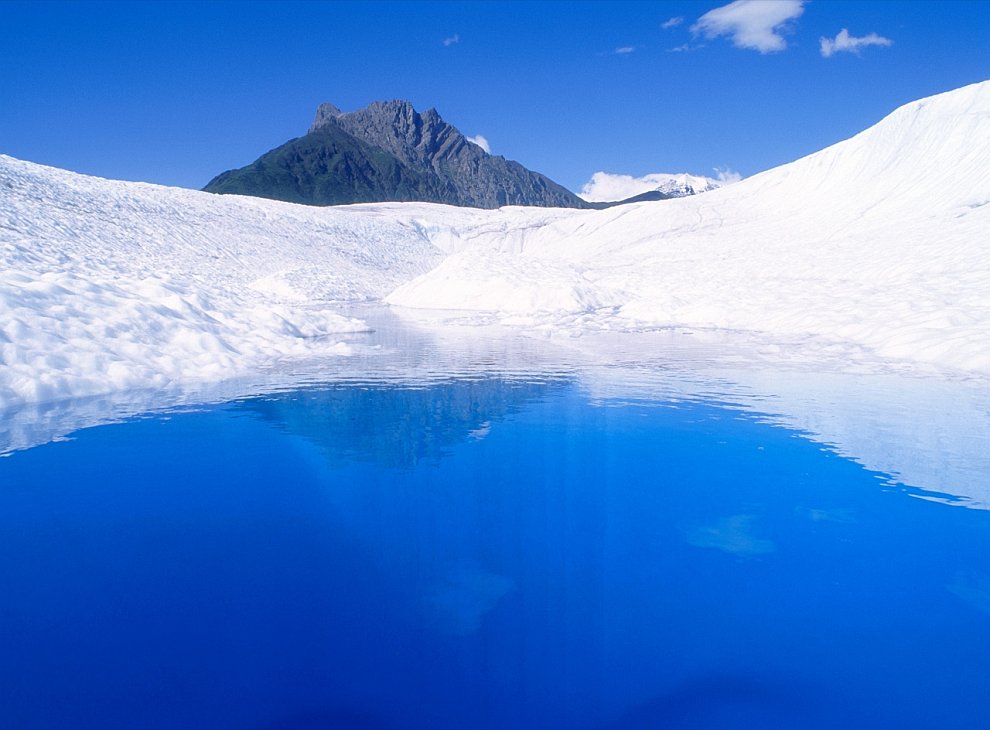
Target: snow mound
x=108 y=285
x=880 y=241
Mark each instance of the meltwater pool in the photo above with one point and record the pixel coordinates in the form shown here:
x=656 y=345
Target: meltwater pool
x=569 y=547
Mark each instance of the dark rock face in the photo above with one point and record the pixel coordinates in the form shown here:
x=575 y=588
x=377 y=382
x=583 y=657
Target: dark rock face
x=648 y=197
x=328 y=167
x=389 y=151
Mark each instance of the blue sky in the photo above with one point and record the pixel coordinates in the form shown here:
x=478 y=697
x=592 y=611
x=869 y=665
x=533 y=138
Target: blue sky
x=175 y=93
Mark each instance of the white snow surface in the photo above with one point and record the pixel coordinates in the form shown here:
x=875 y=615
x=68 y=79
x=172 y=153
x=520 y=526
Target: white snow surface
x=881 y=242
x=108 y=285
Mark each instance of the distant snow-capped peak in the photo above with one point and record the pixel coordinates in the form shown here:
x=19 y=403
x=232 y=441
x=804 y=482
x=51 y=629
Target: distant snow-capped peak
x=680 y=185
x=607 y=187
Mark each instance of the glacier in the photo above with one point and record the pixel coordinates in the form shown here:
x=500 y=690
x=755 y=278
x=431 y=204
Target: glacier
x=880 y=241
x=874 y=250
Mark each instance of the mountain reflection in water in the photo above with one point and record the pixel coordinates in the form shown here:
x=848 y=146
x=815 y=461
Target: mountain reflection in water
x=398 y=425
x=589 y=546
x=926 y=431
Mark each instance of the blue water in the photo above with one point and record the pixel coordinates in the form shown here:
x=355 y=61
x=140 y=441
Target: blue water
x=487 y=552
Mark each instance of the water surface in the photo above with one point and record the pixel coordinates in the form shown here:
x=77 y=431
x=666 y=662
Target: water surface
x=574 y=548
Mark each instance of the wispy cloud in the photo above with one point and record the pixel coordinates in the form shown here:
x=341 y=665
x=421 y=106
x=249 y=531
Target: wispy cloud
x=755 y=24
x=726 y=175
x=850 y=43
x=672 y=22
x=451 y=40
x=684 y=47
x=624 y=50
x=481 y=142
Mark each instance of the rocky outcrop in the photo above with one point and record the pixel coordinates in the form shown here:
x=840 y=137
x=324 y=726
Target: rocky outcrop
x=389 y=151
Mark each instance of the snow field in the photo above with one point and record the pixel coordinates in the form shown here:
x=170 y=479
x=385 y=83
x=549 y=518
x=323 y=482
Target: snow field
x=881 y=242
x=108 y=285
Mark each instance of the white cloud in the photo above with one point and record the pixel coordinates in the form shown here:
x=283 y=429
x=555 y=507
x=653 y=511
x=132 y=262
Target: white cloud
x=672 y=23
x=624 y=50
x=755 y=24
x=451 y=40
x=727 y=175
x=481 y=142
x=606 y=186
x=850 y=43
x=681 y=48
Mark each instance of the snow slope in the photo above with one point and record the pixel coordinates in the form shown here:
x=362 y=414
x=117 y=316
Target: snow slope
x=881 y=241
x=108 y=285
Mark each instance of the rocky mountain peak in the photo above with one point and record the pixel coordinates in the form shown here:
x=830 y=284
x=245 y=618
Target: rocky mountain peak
x=395 y=126
x=389 y=151
x=325 y=114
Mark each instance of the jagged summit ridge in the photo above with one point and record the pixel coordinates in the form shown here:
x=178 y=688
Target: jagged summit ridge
x=388 y=151
x=395 y=126
x=324 y=114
